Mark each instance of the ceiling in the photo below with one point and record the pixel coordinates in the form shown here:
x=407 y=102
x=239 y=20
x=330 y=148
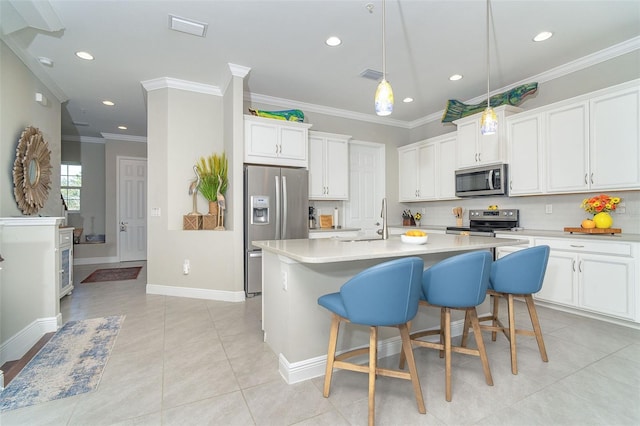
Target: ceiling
x=282 y=42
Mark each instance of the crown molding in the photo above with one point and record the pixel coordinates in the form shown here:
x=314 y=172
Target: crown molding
x=84 y=139
x=342 y=113
x=238 y=70
x=175 y=83
x=125 y=138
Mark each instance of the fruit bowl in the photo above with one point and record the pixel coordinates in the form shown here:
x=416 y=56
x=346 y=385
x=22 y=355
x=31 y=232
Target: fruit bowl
x=414 y=240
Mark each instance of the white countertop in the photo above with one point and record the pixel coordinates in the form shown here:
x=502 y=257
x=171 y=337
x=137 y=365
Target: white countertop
x=340 y=229
x=344 y=249
x=622 y=237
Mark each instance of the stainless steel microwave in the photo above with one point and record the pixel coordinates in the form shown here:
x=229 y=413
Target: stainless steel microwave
x=485 y=180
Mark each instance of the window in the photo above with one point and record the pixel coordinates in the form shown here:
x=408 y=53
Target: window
x=70 y=185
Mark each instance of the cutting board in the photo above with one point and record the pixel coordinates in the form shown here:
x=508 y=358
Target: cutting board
x=593 y=230
x=326 y=221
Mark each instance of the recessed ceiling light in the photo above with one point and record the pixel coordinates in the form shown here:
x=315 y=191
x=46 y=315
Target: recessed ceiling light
x=407 y=100
x=122 y=127
x=455 y=77
x=108 y=103
x=45 y=61
x=85 y=55
x=544 y=35
x=333 y=41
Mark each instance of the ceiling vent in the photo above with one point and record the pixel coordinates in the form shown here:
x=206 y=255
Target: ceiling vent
x=188 y=26
x=371 y=74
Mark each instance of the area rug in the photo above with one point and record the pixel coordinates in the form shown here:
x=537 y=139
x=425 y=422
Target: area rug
x=70 y=363
x=113 y=274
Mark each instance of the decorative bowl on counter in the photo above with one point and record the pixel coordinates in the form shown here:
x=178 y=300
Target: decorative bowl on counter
x=414 y=240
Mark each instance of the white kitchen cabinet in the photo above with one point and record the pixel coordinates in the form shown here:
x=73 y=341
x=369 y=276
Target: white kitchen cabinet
x=65 y=250
x=567 y=148
x=328 y=166
x=593 y=144
x=614 y=150
x=591 y=275
x=275 y=142
x=426 y=169
x=475 y=149
x=525 y=154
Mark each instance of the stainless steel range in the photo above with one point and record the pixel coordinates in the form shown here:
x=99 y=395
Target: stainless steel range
x=485 y=222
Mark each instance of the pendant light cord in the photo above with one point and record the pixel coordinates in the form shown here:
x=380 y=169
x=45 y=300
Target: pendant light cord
x=384 y=50
x=488 y=66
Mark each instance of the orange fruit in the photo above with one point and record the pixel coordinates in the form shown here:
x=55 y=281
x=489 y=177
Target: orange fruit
x=588 y=224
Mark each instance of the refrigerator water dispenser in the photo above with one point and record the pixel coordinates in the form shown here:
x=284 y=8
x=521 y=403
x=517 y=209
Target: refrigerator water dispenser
x=259 y=210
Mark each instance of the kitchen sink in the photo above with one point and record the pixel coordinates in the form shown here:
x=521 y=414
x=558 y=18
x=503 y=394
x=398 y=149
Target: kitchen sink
x=358 y=240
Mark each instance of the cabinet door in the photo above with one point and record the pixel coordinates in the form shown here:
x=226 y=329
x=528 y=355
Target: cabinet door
x=408 y=174
x=560 y=279
x=566 y=143
x=317 y=187
x=525 y=159
x=427 y=172
x=606 y=285
x=615 y=132
x=489 y=149
x=468 y=134
x=261 y=139
x=337 y=169
x=446 y=167
x=293 y=144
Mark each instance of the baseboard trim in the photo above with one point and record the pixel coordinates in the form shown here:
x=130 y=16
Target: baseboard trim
x=295 y=372
x=196 y=293
x=17 y=345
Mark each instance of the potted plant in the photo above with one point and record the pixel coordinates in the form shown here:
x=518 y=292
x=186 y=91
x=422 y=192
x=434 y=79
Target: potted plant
x=213 y=179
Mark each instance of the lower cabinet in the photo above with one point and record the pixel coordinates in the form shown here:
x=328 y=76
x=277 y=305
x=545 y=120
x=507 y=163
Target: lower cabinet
x=594 y=276
x=65 y=249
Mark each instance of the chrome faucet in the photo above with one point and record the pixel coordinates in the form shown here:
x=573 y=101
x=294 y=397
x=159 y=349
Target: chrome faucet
x=383 y=214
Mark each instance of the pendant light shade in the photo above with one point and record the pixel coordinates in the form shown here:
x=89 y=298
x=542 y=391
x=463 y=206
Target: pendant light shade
x=384 y=98
x=384 y=93
x=489 y=120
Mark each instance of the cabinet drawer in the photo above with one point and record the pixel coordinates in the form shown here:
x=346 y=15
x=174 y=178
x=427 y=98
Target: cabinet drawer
x=66 y=237
x=580 y=245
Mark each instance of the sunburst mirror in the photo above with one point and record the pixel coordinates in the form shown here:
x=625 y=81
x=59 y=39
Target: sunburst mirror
x=32 y=171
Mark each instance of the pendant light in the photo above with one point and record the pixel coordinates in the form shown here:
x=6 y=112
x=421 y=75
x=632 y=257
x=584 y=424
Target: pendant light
x=489 y=120
x=384 y=93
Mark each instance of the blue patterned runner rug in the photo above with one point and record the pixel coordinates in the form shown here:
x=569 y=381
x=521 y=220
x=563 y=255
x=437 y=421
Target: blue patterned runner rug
x=69 y=364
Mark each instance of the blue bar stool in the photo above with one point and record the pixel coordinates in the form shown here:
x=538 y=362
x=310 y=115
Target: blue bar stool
x=384 y=295
x=517 y=275
x=459 y=282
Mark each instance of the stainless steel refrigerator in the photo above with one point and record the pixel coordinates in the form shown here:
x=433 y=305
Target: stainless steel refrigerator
x=276 y=201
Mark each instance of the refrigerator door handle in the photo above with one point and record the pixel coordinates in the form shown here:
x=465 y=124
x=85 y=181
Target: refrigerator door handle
x=278 y=204
x=284 y=208
x=255 y=254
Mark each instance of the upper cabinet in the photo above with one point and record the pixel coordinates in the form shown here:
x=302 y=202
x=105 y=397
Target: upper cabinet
x=328 y=166
x=475 y=149
x=275 y=142
x=426 y=169
x=589 y=143
x=594 y=144
x=526 y=170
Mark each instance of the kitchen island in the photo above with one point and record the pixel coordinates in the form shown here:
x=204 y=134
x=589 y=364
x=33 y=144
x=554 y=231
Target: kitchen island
x=296 y=272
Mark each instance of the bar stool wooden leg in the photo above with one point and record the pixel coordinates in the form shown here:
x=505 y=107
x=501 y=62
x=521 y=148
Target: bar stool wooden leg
x=373 y=356
x=512 y=334
x=533 y=314
x=331 y=353
x=407 y=350
x=447 y=352
x=473 y=315
x=496 y=305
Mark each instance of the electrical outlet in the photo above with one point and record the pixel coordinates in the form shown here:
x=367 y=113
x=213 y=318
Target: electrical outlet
x=548 y=209
x=284 y=281
x=622 y=208
x=186 y=267
x=424 y=210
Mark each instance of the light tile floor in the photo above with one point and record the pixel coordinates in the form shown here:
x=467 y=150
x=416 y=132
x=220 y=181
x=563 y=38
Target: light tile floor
x=194 y=362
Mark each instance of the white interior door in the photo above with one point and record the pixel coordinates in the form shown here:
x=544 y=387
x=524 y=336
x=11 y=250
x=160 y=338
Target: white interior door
x=132 y=208
x=366 y=185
